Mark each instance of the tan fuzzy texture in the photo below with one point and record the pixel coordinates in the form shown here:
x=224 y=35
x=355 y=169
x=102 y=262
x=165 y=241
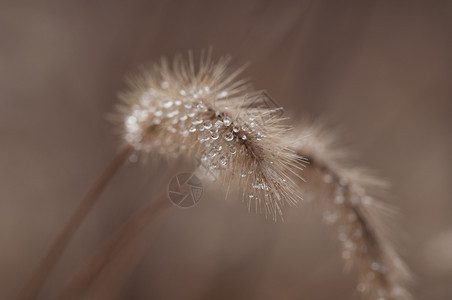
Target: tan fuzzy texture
x=203 y=112
x=349 y=203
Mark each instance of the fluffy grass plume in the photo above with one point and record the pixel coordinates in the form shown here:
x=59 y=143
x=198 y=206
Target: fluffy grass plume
x=205 y=112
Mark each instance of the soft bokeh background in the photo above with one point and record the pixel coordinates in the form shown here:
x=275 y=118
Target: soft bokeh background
x=379 y=70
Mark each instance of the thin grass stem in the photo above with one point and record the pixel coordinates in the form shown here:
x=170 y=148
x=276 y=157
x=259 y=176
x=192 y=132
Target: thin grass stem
x=122 y=237
x=51 y=257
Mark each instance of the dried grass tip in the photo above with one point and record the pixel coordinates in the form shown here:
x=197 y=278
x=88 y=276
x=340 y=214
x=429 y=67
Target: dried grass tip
x=203 y=111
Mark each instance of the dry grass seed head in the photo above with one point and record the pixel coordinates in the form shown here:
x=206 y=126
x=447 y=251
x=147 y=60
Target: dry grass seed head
x=206 y=113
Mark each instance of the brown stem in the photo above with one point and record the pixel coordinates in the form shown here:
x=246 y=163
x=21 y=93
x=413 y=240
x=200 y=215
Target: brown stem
x=111 y=280
x=123 y=236
x=45 y=266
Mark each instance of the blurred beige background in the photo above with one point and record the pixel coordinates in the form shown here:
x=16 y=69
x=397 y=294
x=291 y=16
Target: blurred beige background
x=379 y=70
